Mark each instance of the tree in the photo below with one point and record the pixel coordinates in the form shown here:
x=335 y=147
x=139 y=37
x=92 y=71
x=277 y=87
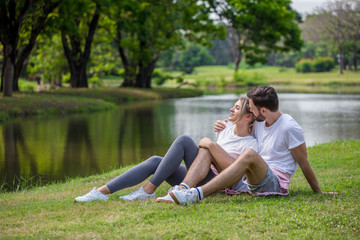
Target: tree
x=20 y=24
x=47 y=62
x=79 y=22
x=340 y=22
x=194 y=56
x=257 y=28
x=145 y=28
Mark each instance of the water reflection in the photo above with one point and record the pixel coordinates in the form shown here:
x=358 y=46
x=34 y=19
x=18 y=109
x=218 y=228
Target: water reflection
x=86 y=144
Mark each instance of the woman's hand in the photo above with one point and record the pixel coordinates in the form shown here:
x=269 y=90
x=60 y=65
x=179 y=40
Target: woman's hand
x=205 y=143
x=220 y=125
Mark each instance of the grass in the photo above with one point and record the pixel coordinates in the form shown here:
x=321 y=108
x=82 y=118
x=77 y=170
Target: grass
x=33 y=104
x=49 y=212
x=284 y=79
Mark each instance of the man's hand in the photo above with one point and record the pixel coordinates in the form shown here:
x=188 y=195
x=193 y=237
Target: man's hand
x=205 y=143
x=220 y=125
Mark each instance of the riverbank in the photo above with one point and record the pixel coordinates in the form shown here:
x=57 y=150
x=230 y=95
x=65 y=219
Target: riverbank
x=49 y=212
x=221 y=79
x=65 y=100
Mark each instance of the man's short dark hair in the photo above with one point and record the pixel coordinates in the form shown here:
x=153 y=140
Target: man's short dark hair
x=264 y=96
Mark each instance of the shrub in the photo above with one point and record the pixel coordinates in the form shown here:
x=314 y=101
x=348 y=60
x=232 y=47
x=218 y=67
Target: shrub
x=323 y=64
x=304 y=66
x=159 y=77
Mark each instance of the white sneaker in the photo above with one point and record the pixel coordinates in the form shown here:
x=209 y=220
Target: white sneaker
x=139 y=194
x=168 y=198
x=93 y=195
x=184 y=196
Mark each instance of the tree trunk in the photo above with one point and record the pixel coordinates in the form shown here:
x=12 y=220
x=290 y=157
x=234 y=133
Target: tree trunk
x=143 y=78
x=355 y=61
x=8 y=73
x=77 y=59
x=12 y=18
x=341 y=60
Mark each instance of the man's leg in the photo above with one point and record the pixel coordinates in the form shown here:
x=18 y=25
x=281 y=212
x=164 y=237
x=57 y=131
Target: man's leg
x=249 y=163
x=199 y=168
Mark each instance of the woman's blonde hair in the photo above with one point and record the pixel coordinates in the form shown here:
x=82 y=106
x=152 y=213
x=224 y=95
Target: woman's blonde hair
x=245 y=109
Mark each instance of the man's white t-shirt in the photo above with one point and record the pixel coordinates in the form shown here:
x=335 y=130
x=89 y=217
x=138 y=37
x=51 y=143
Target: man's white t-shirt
x=234 y=144
x=276 y=141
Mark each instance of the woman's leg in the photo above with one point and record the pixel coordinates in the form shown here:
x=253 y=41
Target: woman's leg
x=162 y=168
x=183 y=148
x=168 y=168
x=133 y=176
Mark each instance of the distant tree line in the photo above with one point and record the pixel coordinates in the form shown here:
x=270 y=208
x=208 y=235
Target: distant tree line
x=332 y=31
x=80 y=40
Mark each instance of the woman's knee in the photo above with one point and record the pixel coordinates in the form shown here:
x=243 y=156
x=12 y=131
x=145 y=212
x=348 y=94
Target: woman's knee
x=184 y=139
x=154 y=160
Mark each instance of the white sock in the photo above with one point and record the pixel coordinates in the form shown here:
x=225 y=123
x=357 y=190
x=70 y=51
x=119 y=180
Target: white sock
x=200 y=193
x=184 y=185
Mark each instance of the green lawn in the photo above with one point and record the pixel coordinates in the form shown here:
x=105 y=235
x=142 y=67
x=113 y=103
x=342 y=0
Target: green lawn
x=49 y=212
x=283 y=79
x=277 y=75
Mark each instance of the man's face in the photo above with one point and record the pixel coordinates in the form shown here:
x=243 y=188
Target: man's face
x=258 y=115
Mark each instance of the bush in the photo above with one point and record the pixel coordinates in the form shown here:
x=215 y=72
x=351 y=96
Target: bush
x=159 y=77
x=27 y=86
x=304 y=66
x=323 y=64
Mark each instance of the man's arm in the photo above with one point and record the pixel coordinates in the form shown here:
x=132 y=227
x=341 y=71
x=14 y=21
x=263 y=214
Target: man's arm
x=220 y=125
x=222 y=159
x=300 y=155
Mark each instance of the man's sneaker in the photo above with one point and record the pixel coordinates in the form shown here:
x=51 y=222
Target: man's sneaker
x=139 y=194
x=184 y=196
x=93 y=195
x=168 y=198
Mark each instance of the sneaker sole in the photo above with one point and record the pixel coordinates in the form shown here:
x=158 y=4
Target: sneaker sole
x=164 y=200
x=174 y=198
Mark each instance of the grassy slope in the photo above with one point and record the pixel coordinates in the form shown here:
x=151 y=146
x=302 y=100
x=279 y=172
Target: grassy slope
x=49 y=212
x=284 y=79
x=277 y=75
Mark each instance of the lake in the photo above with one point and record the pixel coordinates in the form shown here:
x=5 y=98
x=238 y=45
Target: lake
x=86 y=144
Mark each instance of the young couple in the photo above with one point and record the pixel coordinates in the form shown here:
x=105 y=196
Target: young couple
x=260 y=162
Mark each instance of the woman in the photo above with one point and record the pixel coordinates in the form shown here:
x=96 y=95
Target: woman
x=234 y=140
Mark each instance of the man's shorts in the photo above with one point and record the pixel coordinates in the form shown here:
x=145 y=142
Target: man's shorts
x=270 y=184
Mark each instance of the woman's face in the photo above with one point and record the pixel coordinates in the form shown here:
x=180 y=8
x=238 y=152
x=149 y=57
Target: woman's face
x=235 y=112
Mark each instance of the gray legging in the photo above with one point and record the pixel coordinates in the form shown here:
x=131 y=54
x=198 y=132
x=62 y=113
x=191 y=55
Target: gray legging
x=167 y=168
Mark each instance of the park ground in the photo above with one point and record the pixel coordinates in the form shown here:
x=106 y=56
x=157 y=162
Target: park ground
x=48 y=212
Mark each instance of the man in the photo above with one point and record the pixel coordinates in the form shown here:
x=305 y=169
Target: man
x=282 y=147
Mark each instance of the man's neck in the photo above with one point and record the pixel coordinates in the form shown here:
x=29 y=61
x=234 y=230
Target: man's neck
x=272 y=117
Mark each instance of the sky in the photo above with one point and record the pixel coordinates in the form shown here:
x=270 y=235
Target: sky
x=307 y=6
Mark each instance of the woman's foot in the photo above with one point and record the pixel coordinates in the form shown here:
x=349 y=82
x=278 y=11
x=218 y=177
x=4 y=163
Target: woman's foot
x=93 y=195
x=139 y=194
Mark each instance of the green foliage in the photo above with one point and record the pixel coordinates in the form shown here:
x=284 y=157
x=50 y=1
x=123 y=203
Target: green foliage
x=261 y=27
x=323 y=64
x=243 y=78
x=27 y=86
x=145 y=29
x=159 y=77
x=304 y=65
x=47 y=61
x=194 y=56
